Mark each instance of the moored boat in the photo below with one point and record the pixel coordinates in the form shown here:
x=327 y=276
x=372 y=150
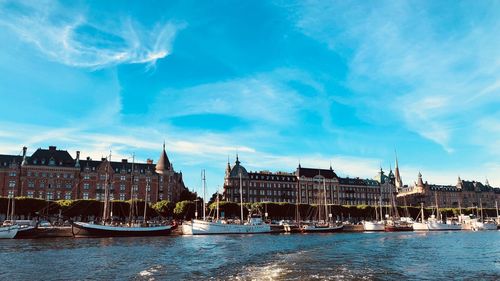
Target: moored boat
x=82 y=230
x=8 y=231
x=314 y=228
x=373 y=225
x=254 y=224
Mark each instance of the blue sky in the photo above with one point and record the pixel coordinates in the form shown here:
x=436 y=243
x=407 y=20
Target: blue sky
x=278 y=82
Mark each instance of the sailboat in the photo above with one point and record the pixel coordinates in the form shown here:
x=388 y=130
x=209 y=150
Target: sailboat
x=9 y=229
x=106 y=229
x=396 y=223
x=482 y=224
x=377 y=224
x=322 y=226
x=435 y=224
x=254 y=223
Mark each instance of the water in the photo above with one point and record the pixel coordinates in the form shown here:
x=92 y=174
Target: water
x=342 y=256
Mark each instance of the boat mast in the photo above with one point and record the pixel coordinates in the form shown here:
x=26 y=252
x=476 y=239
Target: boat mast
x=481 y=205
x=106 y=192
x=146 y=200
x=132 y=201
x=217 y=194
x=204 y=193
x=326 y=206
x=241 y=198
x=297 y=215
x=422 y=211
x=381 y=211
x=437 y=207
x=496 y=206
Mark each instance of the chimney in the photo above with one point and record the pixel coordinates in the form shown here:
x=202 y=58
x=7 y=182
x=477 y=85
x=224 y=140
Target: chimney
x=77 y=164
x=103 y=158
x=52 y=147
x=88 y=158
x=149 y=161
x=25 y=161
x=124 y=161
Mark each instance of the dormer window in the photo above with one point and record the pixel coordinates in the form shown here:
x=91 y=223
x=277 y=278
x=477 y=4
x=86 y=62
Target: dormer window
x=52 y=162
x=35 y=161
x=43 y=161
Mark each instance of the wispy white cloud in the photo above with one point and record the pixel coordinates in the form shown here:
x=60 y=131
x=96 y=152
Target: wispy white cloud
x=402 y=57
x=70 y=37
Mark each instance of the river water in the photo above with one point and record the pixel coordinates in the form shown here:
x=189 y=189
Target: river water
x=342 y=256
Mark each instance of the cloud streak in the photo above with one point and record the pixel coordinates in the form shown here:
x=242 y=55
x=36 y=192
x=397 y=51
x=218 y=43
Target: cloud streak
x=70 y=37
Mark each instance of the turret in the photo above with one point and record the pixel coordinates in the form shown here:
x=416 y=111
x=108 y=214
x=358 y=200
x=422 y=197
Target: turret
x=163 y=164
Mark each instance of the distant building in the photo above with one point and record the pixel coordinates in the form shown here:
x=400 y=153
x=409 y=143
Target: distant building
x=465 y=194
x=53 y=174
x=305 y=185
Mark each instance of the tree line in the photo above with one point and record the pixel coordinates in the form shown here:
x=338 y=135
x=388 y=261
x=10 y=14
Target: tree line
x=184 y=210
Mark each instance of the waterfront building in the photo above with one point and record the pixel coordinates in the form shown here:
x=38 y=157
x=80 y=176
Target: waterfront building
x=305 y=185
x=54 y=174
x=464 y=193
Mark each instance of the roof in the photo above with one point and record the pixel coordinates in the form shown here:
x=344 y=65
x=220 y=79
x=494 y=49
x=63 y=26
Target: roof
x=312 y=172
x=352 y=181
x=272 y=176
x=237 y=170
x=163 y=163
x=51 y=157
x=6 y=160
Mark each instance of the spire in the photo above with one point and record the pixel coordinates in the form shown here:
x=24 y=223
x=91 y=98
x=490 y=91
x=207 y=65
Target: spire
x=237 y=160
x=419 y=181
x=487 y=183
x=331 y=169
x=398 y=181
x=163 y=163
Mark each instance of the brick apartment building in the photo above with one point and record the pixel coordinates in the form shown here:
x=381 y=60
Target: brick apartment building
x=305 y=185
x=54 y=174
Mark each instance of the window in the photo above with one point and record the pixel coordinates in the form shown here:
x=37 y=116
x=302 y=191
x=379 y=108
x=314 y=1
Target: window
x=11 y=193
x=67 y=196
x=30 y=194
x=31 y=184
x=86 y=177
x=42 y=185
x=12 y=174
x=86 y=195
x=12 y=183
x=40 y=194
x=68 y=186
x=161 y=196
x=122 y=188
x=122 y=196
x=123 y=178
x=86 y=186
x=49 y=196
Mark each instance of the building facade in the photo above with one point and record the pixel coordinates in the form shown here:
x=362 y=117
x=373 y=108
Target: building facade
x=305 y=185
x=54 y=174
x=465 y=194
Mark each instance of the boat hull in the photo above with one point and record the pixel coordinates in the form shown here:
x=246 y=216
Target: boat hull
x=84 y=230
x=8 y=232
x=200 y=227
x=44 y=232
x=373 y=226
x=437 y=226
x=484 y=226
x=392 y=228
x=321 y=229
x=420 y=226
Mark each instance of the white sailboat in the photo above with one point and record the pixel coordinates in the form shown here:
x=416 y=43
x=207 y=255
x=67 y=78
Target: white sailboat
x=254 y=224
x=435 y=224
x=9 y=229
x=481 y=223
x=377 y=224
